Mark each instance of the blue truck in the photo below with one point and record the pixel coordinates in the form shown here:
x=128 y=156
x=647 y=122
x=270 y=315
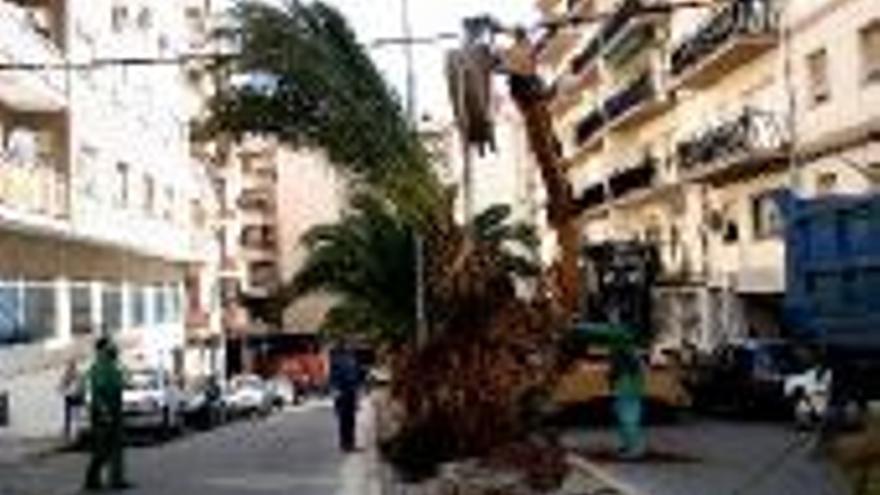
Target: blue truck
x=832 y=298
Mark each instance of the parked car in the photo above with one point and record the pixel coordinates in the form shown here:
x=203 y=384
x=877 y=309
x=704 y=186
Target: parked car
x=747 y=378
x=248 y=396
x=809 y=394
x=151 y=401
x=282 y=392
x=205 y=405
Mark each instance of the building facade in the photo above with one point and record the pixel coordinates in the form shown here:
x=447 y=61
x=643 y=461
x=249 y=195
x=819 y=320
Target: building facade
x=98 y=196
x=681 y=128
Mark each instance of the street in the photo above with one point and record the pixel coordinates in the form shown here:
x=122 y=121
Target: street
x=291 y=452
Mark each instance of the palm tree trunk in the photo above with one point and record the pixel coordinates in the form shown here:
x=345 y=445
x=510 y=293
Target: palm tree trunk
x=561 y=210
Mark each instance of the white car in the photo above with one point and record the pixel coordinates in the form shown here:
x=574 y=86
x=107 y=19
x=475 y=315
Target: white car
x=809 y=393
x=248 y=395
x=150 y=401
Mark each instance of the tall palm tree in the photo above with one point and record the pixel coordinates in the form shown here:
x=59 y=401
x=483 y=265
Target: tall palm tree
x=307 y=81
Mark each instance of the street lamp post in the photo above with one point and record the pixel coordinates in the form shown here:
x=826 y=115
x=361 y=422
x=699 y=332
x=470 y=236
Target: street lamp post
x=419 y=244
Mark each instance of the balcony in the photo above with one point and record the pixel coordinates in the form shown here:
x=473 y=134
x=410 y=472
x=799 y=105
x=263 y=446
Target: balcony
x=34 y=183
x=587 y=133
x=40 y=190
x=264 y=278
x=626 y=31
x=633 y=177
x=747 y=144
x=736 y=33
x=260 y=241
x=639 y=101
x=586 y=59
x=24 y=38
x=592 y=197
x=256 y=200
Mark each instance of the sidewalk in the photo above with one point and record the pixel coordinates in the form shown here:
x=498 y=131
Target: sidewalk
x=17 y=450
x=714 y=457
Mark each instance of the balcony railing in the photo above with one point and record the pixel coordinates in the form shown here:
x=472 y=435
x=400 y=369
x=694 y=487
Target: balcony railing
x=256 y=199
x=40 y=190
x=639 y=91
x=741 y=136
x=738 y=19
x=633 y=178
x=587 y=56
x=25 y=41
x=588 y=127
x=592 y=196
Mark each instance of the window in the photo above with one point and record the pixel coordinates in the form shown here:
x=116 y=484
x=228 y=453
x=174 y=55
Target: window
x=81 y=309
x=149 y=194
x=195 y=20
x=817 y=71
x=175 y=303
x=169 y=200
x=766 y=215
x=119 y=18
x=138 y=303
x=870 y=47
x=826 y=183
x=160 y=305
x=123 y=185
x=145 y=19
x=10 y=313
x=39 y=311
x=111 y=308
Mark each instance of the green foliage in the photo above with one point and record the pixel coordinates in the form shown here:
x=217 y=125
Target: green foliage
x=367 y=260
x=308 y=81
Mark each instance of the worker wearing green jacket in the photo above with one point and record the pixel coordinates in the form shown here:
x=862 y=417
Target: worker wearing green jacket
x=627 y=381
x=105 y=380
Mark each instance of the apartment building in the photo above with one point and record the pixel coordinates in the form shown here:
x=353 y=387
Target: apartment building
x=98 y=196
x=682 y=126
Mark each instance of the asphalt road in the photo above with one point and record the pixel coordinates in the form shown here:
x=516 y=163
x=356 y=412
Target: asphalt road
x=293 y=452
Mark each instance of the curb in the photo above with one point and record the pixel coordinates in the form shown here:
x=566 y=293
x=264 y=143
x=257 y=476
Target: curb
x=603 y=475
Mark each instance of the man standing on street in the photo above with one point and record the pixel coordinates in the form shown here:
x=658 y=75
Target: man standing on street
x=71 y=388
x=345 y=379
x=105 y=384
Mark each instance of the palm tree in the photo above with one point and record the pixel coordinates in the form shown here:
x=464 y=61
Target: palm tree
x=307 y=81
x=366 y=260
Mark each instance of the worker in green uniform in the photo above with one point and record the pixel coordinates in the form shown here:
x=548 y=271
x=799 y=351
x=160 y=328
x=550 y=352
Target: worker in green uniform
x=106 y=382
x=627 y=381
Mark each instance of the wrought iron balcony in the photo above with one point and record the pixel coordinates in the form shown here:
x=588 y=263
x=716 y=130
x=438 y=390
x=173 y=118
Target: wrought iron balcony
x=736 y=33
x=589 y=127
x=640 y=91
x=753 y=136
x=633 y=178
x=592 y=196
x=587 y=56
x=641 y=14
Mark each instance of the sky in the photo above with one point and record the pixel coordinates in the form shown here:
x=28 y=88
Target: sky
x=374 y=19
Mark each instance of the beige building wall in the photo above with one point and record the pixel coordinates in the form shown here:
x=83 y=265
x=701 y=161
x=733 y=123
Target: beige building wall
x=310 y=193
